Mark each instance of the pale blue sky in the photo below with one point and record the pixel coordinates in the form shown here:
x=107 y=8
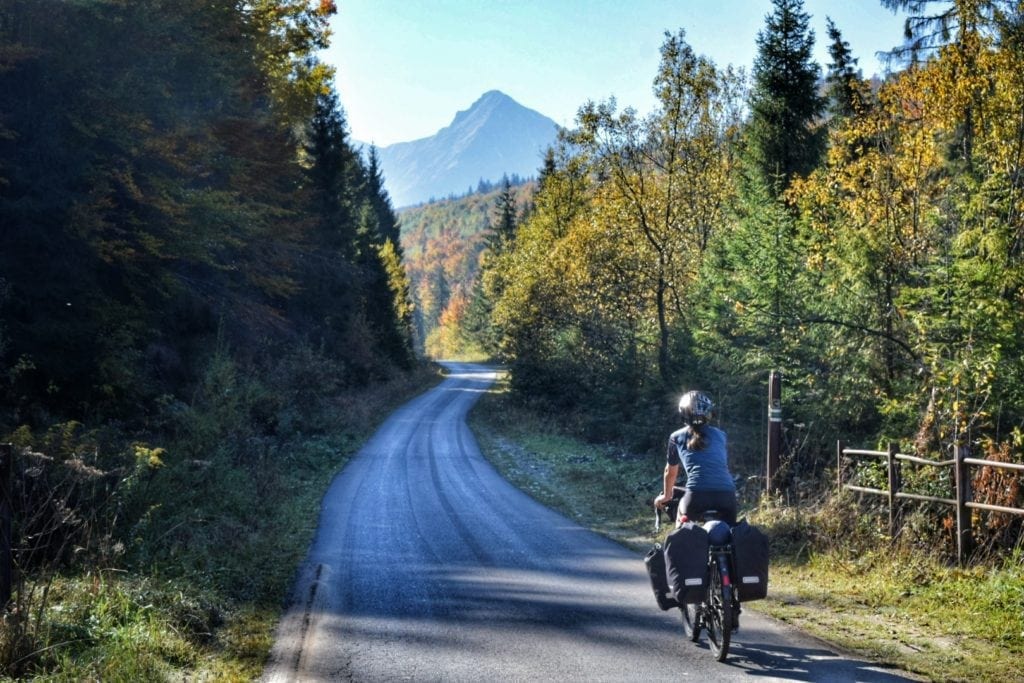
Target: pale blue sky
x=405 y=67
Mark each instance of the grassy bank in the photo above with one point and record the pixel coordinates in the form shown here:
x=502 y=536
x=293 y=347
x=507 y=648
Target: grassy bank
x=194 y=588
x=831 y=574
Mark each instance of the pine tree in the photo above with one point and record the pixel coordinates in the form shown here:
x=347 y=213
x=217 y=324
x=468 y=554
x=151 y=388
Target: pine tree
x=783 y=139
x=845 y=91
x=333 y=174
x=504 y=228
x=547 y=169
x=387 y=221
x=933 y=24
x=386 y=298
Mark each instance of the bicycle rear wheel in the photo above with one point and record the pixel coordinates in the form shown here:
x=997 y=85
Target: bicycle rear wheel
x=718 y=617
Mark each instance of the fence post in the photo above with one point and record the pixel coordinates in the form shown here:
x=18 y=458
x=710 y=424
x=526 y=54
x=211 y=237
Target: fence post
x=964 y=537
x=894 y=487
x=6 y=512
x=774 y=427
x=839 y=467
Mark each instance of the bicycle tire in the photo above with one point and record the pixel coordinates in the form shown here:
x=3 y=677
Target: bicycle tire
x=718 y=616
x=691 y=621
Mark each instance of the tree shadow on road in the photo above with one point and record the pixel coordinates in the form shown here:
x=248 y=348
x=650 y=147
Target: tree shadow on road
x=805 y=664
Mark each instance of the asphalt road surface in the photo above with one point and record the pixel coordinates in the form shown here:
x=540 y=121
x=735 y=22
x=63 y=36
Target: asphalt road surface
x=428 y=566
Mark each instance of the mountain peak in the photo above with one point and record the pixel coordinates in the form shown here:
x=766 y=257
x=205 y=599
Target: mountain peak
x=494 y=137
x=485 y=106
x=493 y=96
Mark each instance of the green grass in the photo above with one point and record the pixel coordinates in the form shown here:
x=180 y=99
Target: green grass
x=832 y=574
x=909 y=611
x=207 y=574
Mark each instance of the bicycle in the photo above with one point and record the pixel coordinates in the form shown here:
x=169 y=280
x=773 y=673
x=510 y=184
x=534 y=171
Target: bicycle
x=716 y=612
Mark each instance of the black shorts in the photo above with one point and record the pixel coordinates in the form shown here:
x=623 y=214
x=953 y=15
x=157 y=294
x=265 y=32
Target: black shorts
x=696 y=502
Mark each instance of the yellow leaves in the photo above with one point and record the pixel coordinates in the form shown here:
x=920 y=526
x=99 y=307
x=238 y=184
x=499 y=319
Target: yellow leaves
x=876 y=202
x=815 y=261
x=149 y=458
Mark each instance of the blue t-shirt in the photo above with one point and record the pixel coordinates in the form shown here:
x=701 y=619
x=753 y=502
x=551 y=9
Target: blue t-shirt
x=706 y=469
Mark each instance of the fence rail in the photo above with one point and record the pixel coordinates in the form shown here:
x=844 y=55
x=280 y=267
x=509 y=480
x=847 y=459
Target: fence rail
x=962 y=487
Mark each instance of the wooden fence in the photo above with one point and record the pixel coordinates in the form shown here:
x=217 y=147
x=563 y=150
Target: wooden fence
x=961 y=489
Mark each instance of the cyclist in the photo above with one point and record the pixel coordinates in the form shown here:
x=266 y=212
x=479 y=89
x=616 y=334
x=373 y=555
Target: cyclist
x=700 y=449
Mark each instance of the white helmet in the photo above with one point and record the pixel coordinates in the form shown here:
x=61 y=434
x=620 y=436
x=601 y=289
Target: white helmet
x=695 y=407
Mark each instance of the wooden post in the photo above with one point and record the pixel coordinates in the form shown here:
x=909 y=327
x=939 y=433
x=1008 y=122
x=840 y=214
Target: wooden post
x=774 y=428
x=894 y=487
x=839 y=467
x=964 y=537
x=6 y=512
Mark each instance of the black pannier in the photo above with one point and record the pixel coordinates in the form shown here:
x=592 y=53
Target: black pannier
x=686 y=559
x=655 y=562
x=750 y=561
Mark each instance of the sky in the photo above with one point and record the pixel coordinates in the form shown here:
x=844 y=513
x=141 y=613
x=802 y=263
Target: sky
x=406 y=67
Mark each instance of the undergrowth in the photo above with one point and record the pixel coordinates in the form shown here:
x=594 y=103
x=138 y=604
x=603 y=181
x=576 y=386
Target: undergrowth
x=170 y=555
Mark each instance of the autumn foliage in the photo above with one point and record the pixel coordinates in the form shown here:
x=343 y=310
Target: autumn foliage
x=885 y=279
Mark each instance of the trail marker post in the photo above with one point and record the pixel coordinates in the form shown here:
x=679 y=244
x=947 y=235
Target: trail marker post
x=774 y=428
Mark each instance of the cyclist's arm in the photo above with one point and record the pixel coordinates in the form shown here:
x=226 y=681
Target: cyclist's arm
x=668 y=483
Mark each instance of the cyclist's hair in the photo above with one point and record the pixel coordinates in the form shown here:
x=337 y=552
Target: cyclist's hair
x=697 y=438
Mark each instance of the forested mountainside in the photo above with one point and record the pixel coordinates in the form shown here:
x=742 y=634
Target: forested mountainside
x=496 y=136
x=442 y=243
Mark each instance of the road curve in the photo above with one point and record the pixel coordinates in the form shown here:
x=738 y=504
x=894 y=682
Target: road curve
x=428 y=566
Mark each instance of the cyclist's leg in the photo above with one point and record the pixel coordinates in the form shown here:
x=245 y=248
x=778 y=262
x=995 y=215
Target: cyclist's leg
x=725 y=503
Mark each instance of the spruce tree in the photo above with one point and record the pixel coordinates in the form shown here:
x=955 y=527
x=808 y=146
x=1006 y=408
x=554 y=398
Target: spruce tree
x=387 y=221
x=784 y=141
x=333 y=174
x=385 y=286
x=505 y=227
x=933 y=24
x=844 y=89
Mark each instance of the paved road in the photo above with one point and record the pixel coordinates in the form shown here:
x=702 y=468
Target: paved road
x=428 y=566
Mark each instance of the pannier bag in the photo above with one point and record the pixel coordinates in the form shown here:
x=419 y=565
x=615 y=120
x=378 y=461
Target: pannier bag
x=750 y=561
x=655 y=562
x=686 y=560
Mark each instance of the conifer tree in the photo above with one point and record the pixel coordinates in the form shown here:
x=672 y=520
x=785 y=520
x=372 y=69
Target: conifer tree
x=844 y=90
x=504 y=229
x=386 y=298
x=333 y=174
x=933 y=24
x=785 y=106
x=547 y=169
x=387 y=221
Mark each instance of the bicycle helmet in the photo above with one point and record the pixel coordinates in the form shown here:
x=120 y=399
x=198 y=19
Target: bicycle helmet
x=695 y=407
